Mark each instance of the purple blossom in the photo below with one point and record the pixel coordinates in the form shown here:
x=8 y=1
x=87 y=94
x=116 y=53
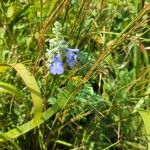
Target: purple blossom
x=71 y=55
x=57 y=66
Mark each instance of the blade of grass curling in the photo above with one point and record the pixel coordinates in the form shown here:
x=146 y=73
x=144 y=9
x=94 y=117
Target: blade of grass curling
x=31 y=83
x=146 y=119
x=8 y=88
x=26 y=127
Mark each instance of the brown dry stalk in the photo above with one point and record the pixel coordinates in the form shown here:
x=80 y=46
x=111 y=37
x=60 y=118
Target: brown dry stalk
x=120 y=39
x=49 y=20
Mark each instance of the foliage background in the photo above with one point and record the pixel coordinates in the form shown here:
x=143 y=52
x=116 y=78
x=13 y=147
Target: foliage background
x=99 y=104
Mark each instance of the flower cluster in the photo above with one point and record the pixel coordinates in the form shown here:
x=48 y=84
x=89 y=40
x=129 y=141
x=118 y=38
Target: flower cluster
x=57 y=49
x=57 y=66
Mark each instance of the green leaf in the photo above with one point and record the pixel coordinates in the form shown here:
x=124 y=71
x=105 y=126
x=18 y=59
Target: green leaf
x=64 y=143
x=8 y=88
x=31 y=83
x=10 y=11
x=3 y=68
x=146 y=119
x=11 y=141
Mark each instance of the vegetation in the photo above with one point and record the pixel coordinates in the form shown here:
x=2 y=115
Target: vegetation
x=75 y=75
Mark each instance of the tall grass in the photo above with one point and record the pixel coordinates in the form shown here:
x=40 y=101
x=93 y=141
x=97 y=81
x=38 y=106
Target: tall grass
x=102 y=103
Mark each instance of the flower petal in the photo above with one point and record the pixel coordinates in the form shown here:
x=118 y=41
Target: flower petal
x=71 y=55
x=57 y=66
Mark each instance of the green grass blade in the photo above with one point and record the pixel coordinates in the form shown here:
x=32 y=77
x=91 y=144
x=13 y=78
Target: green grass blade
x=146 y=119
x=31 y=83
x=8 y=88
x=11 y=141
x=64 y=143
x=3 y=68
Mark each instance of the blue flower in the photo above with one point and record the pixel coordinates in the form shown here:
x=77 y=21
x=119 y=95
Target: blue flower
x=71 y=55
x=57 y=66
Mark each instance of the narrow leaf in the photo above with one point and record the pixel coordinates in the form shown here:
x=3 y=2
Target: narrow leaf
x=31 y=83
x=146 y=119
x=8 y=88
x=3 y=68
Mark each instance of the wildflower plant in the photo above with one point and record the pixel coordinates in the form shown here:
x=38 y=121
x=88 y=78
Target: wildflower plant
x=57 y=51
x=56 y=45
